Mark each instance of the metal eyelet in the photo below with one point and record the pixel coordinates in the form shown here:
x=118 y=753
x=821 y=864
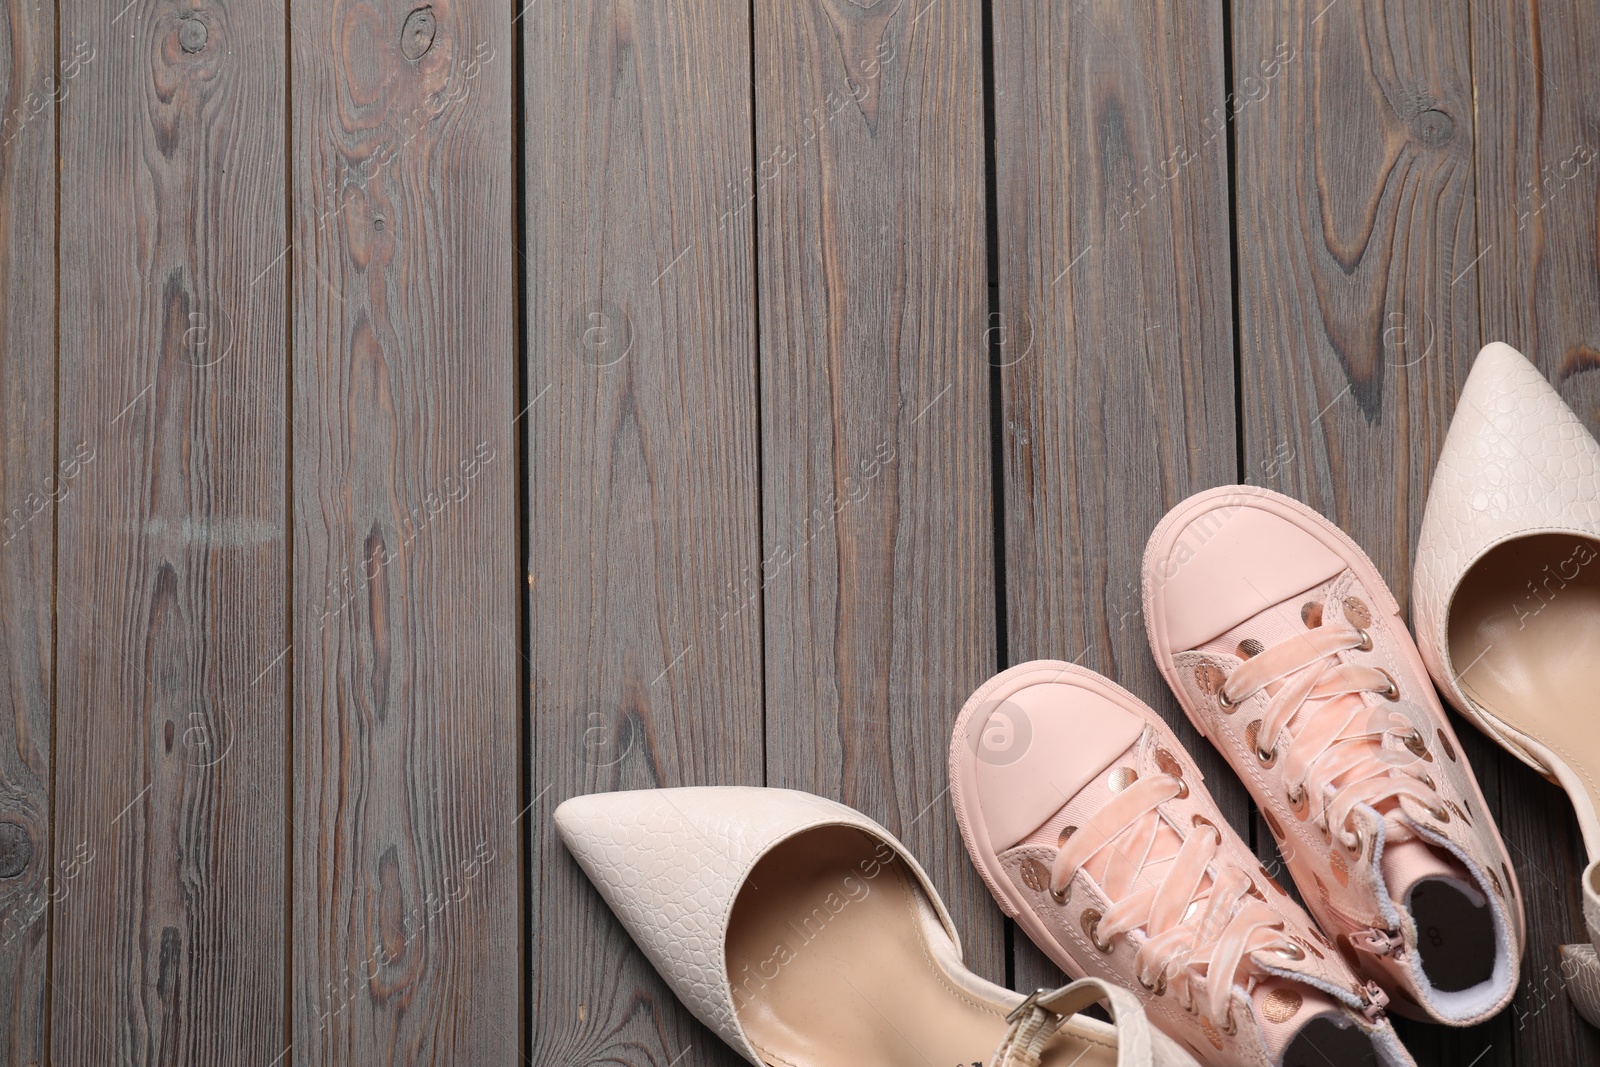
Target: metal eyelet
x=1063 y=896
x=1159 y=988
x=1252 y=731
x=1393 y=692
x=1356 y=849
x=1297 y=952
x=1168 y=765
x=1366 y=642
x=1418 y=746
x=1223 y=702
x=1298 y=802
x=1440 y=814
x=1091 y=926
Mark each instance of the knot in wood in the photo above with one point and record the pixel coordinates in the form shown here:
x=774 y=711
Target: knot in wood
x=16 y=849
x=417 y=35
x=1438 y=128
x=192 y=34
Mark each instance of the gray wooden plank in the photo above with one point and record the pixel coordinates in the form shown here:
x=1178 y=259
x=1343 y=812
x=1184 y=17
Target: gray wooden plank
x=1354 y=201
x=170 y=605
x=31 y=484
x=1538 y=173
x=643 y=494
x=1354 y=220
x=876 y=577
x=1116 y=351
x=406 y=903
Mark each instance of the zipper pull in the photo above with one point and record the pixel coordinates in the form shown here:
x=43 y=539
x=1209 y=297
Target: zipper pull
x=1374 y=1001
x=1379 y=942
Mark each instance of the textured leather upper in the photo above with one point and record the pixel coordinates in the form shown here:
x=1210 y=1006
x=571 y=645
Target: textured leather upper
x=670 y=864
x=1516 y=461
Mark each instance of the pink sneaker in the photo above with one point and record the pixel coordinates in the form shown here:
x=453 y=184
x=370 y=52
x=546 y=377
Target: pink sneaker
x=1091 y=827
x=1288 y=651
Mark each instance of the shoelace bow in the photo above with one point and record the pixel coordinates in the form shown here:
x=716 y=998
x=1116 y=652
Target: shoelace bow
x=1337 y=754
x=1201 y=926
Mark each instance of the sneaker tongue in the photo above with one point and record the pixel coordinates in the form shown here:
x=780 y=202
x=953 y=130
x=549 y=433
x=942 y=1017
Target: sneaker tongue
x=1405 y=863
x=1283 y=1008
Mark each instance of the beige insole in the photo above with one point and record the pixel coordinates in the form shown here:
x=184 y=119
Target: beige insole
x=836 y=958
x=1525 y=642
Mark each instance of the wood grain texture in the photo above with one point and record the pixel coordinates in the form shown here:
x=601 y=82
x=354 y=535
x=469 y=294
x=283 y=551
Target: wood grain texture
x=1538 y=172
x=877 y=548
x=169 y=836
x=1537 y=151
x=644 y=514
x=1115 y=302
x=406 y=907
x=1354 y=214
x=1355 y=231
x=30 y=488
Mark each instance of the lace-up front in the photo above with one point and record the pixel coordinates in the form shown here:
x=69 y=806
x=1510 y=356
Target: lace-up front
x=1336 y=756
x=1201 y=922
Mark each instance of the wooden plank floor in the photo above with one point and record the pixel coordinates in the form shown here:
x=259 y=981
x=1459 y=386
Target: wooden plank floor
x=414 y=415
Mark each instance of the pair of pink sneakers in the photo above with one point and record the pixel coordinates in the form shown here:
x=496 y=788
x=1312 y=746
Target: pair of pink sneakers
x=1091 y=826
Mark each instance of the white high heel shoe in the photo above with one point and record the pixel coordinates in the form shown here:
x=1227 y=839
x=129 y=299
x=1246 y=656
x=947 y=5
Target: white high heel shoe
x=805 y=935
x=1507 y=595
